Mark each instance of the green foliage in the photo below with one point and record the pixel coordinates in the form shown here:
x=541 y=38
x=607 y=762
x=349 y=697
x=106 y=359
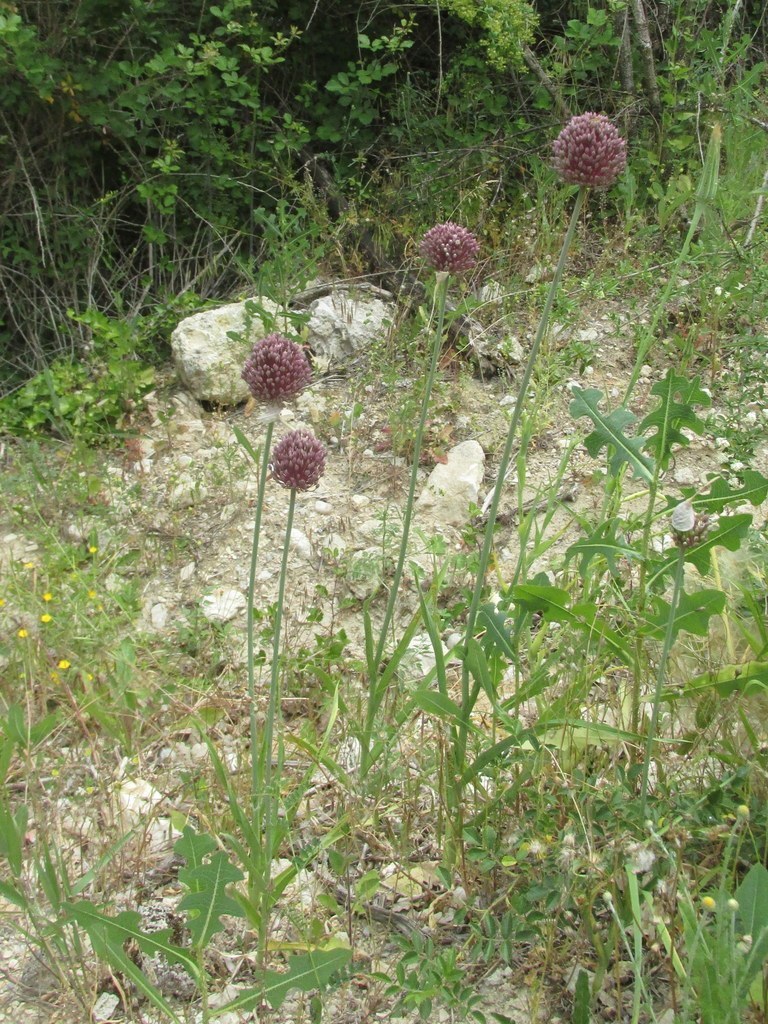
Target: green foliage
x=506 y=26
x=84 y=400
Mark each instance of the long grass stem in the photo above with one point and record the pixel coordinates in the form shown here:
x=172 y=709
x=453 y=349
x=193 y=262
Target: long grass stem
x=485 y=555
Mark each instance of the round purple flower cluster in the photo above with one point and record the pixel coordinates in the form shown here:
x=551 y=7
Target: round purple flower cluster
x=450 y=247
x=589 y=151
x=277 y=369
x=298 y=460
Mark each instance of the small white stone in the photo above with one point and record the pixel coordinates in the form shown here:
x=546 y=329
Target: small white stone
x=222 y=605
x=324 y=507
x=104 y=1007
x=360 y=500
x=187 y=571
x=158 y=615
x=685 y=476
x=587 y=334
x=646 y=370
x=300 y=544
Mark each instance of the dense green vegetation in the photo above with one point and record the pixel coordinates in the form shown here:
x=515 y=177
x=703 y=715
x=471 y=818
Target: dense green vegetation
x=540 y=754
x=155 y=156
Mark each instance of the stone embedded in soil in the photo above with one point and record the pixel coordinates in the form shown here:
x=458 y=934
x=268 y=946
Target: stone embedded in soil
x=223 y=604
x=453 y=487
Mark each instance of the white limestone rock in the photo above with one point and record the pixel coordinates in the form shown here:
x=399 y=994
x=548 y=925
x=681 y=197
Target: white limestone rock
x=222 y=605
x=452 y=487
x=208 y=361
x=345 y=323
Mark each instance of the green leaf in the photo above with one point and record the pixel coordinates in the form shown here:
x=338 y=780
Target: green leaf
x=439 y=705
x=108 y=936
x=207 y=899
x=306 y=971
x=692 y=614
x=674 y=412
x=554 y=605
x=754 y=489
x=497 y=635
x=609 y=433
x=581 y=999
x=194 y=848
x=729 y=532
x=603 y=543
x=752 y=676
x=752 y=897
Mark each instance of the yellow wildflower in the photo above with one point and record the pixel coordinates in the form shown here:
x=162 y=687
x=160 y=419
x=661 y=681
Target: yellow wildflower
x=64 y=663
x=47 y=596
x=46 y=618
x=708 y=903
x=92 y=549
x=22 y=633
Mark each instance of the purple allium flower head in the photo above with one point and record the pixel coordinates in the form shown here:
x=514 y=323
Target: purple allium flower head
x=450 y=247
x=298 y=460
x=589 y=151
x=277 y=369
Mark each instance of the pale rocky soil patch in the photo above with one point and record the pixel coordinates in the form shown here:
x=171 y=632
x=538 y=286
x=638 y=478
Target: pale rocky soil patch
x=181 y=496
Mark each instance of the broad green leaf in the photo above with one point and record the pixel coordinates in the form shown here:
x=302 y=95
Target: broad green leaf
x=554 y=604
x=603 y=543
x=752 y=676
x=674 y=412
x=439 y=705
x=208 y=900
x=497 y=636
x=752 y=897
x=194 y=848
x=306 y=971
x=108 y=936
x=729 y=532
x=692 y=614
x=609 y=433
x=754 y=489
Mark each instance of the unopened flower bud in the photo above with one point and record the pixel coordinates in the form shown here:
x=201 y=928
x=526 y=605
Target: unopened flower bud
x=298 y=460
x=277 y=369
x=450 y=247
x=589 y=151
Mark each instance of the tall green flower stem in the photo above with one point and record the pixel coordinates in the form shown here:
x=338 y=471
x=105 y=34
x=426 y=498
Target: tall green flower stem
x=377 y=684
x=485 y=554
x=269 y=783
x=263 y=460
x=661 y=674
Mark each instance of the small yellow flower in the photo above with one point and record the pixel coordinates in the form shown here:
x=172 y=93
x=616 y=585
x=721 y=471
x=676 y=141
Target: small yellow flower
x=22 y=633
x=708 y=903
x=742 y=811
x=92 y=550
x=2 y=602
x=91 y=594
x=64 y=663
x=55 y=677
x=29 y=565
x=47 y=596
x=46 y=618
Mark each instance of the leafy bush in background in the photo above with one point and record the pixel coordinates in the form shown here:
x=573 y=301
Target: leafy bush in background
x=145 y=146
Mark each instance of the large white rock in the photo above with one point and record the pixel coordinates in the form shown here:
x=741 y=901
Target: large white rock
x=453 y=486
x=208 y=361
x=345 y=323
